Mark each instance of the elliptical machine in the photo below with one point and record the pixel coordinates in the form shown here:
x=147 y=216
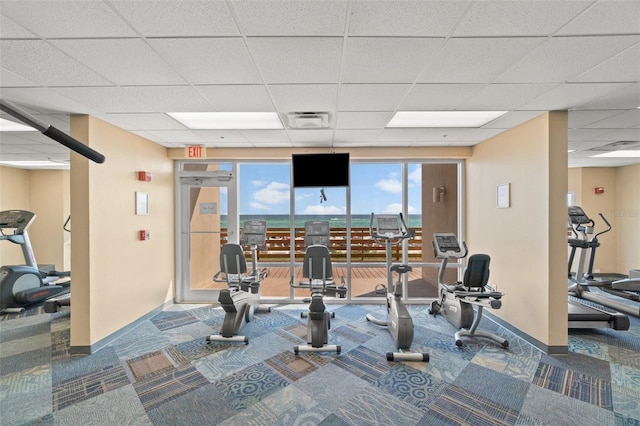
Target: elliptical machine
x=392 y=229
x=25 y=285
x=318 y=271
x=456 y=301
x=241 y=299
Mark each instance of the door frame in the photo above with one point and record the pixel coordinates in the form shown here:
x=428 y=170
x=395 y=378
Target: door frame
x=185 y=180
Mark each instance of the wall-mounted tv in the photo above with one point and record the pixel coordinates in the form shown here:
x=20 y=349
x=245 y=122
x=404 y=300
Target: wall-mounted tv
x=320 y=170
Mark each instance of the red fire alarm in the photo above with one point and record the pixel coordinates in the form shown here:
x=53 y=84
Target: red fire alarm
x=144 y=176
x=144 y=235
x=599 y=190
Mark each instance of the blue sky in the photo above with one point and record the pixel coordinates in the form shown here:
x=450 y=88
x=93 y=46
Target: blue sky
x=265 y=189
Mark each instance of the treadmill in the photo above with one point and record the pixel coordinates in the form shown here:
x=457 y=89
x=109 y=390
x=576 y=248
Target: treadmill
x=583 y=312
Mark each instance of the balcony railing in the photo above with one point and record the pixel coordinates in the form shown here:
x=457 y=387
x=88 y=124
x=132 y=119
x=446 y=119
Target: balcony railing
x=363 y=247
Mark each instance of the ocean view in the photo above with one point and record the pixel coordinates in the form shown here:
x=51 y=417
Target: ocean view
x=335 y=221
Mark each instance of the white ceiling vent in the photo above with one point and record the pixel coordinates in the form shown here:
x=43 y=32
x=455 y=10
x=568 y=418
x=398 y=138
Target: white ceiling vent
x=308 y=120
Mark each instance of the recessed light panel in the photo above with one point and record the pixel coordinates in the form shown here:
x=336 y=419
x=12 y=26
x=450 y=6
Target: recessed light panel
x=228 y=120
x=36 y=164
x=443 y=118
x=12 y=126
x=620 y=154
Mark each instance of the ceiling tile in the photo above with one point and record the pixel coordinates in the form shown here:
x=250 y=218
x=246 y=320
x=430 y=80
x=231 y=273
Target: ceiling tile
x=170 y=18
x=38 y=61
x=106 y=99
x=606 y=17
x=10 y=29
x=405 y=18
x=236 y=97
x=170 y=98
x=291 y=17
x=476 y=60
x=297 y=59
x=438 y=97
x=67 y=18
x=502 y=97
x=194 y=60
x=568 y=96
x=561 y=59
x=311 y=135
x=141 y=121
x=372 y=97
x=630 y=118
x=363 y=120
x=518 y=18
x=304 y=97
x=387 y=60
x=624 y=66
x=121 y=61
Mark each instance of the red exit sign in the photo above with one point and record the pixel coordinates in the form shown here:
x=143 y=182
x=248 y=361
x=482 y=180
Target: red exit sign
x=195 y=151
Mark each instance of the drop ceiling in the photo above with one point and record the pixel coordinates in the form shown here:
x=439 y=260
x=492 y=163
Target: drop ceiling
x=131 y=62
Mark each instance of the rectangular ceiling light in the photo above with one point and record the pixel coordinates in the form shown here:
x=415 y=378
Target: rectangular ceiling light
x=443 y=118
x=620 y=154
x=228 y=120
x=36 y=164
x=12 y=126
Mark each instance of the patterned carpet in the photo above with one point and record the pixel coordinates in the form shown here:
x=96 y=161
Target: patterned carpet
x=163 y=372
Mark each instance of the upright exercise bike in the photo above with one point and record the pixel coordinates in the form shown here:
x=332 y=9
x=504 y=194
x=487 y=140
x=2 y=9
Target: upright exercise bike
x=25 y=285
x=317 y=272
x=241 y=299
x=392 y=229
x=456 y=301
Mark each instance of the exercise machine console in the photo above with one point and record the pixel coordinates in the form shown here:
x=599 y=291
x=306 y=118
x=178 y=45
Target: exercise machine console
x=241 y=299
x=25 y=285
x=456 y=301
x=392 y=230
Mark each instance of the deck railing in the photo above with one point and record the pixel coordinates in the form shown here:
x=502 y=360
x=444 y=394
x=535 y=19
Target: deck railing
x=363 y=247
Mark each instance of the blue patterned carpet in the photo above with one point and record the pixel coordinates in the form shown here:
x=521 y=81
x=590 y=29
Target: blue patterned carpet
x=164 y=372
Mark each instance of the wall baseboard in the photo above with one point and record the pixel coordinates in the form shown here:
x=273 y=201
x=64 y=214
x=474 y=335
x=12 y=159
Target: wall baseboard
x=91 y=349
x=549 y=350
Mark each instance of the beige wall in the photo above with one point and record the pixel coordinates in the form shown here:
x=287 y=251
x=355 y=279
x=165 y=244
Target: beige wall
x=118 y=279
x=619 y=250
x=527 y=241
x=627 y=215
x=45 y=193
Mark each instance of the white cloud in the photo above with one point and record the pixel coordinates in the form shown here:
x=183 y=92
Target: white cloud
x=396 y=208
x=415 y=176
x=273 y=193
x=391 y=184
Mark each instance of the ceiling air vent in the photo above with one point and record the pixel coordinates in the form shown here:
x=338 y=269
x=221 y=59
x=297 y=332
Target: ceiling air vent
x=308 y=120
x=617 y=146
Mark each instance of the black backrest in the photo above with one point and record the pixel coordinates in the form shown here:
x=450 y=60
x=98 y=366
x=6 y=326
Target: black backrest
x=317 y=263
x=476 y=274
x=232 y=259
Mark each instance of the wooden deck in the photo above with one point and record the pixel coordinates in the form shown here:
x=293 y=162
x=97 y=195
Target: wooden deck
x=363 y=282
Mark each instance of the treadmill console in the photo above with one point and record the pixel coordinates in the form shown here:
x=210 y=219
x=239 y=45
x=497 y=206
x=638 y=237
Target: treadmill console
x=446 y=245
x=577 y=216
x=19 y=220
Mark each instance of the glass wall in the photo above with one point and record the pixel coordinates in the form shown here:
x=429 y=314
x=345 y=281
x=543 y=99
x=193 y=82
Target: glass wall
x=427 y=193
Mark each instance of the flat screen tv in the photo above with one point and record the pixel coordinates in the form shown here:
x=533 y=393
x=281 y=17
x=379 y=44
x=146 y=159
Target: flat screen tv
x=320 y=170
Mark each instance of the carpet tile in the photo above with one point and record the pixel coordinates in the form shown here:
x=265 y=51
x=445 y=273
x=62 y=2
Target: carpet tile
x=574 y=384
x=246 y=387
x=172 y=319
x=68 y=392
x=163 y=371
x=169 y=385
x=364 y=363
x=464 y=407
